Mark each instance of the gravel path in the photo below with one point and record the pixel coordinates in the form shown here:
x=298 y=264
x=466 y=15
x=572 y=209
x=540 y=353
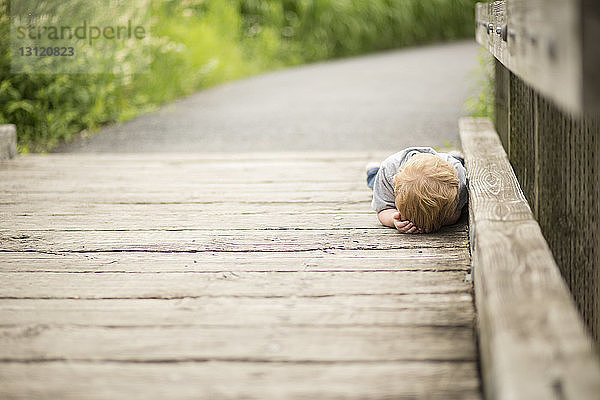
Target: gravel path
x=384 y=101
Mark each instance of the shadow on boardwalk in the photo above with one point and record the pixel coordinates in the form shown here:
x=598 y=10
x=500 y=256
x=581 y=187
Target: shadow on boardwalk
x=261 y=276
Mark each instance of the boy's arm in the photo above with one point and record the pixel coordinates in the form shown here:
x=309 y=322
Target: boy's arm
x=391 y=217
x=386 y=217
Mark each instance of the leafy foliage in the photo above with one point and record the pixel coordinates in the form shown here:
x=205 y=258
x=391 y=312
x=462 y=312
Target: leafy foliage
x=481 y=101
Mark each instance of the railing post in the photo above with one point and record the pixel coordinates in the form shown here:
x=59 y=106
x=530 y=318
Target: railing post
x=8 y=142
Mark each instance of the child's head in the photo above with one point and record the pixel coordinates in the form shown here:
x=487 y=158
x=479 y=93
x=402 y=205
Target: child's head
x=426 y=190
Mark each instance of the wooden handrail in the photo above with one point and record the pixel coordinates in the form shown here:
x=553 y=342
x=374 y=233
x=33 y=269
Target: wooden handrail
x=8 y=142
x=533 y=343
x=550 y=44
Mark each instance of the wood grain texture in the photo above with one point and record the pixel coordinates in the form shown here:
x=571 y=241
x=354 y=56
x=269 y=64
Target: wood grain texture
x=438 y=309
x=254 y=284
x=423 y=259
x=532 y=339
x=256 y=276
x=243 y=240
x=222 y=380
x=258 y=344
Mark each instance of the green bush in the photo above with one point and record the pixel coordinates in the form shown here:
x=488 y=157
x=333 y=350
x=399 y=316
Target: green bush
x=481 y=101
x=199 y=43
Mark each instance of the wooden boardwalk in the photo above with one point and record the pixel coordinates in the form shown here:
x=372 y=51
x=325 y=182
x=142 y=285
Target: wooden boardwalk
x=207 y=276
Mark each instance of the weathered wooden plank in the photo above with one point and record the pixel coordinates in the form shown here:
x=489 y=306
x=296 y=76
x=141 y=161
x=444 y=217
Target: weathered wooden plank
x=197 y=196
x=159 y=167
x=160 y=180
x=498 y=194
x=74 y=190
x=424 y=259
x=27 y=182
x=98 y=170
x=212 y=158
x=236 y=200
x=8 y=142
x=450 y=309
x=235 y=380
x=56 y=187
x=197 y=220
x=191 y=220
x=533 y=342
x=226 y=240
x=256 y=172
x=161 y=211
x=297 y=344
x=252 y=284
x=281 y=282
x=77 y=208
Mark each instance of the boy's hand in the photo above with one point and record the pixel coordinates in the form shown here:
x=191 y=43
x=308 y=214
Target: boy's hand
x=405 y=226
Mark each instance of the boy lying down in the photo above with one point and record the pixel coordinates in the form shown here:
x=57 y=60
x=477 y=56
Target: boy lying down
x=418 y=190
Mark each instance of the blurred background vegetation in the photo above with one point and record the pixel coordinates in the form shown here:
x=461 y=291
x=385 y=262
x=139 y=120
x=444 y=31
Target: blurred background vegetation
x=199 y=43
x=482 y=98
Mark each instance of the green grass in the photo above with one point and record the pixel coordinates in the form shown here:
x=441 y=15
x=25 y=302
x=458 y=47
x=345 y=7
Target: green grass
x=196 y=44
x=481 y=101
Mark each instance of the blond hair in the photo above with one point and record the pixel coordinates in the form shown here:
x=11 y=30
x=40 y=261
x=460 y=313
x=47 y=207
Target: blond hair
x=426 y=190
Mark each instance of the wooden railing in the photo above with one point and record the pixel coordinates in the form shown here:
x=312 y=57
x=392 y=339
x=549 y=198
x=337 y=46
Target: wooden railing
x=8 y=142
x=548 y=119
x=532 y=341
x=552 y=45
